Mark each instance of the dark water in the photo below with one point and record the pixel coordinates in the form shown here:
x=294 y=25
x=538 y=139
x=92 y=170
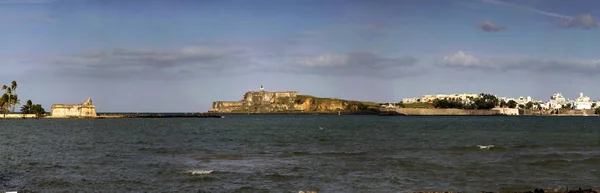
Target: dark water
x=279 y=153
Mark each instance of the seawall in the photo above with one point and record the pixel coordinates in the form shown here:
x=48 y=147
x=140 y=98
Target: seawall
x=17 y=116
x=422 y=111
x=558 y=112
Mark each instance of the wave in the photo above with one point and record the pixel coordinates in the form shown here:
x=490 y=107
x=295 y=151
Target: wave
x=200 y=172
x=478 y=148
x=305 y=153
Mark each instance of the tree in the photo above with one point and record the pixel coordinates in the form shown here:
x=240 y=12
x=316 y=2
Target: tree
x=26 y=109
x=486 y=101
x=15 y=99
x=447 y=104
x=597 y=111
x=568 y=106
x=37 y=109
x=512 y=104
x=521 y=106
x=9 y=99
x=503 y=104
x=529 y=105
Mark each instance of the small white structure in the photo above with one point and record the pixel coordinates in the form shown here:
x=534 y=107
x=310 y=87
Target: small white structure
x=410 y=100
x=262 y=88
x=389 y=105
x=583 y=102
x=523 y=100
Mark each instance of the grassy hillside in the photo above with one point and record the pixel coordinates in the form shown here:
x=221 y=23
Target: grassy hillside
x=348 y=105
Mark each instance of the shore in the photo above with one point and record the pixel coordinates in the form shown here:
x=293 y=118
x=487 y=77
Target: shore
x=483 y=112
x=300 y=113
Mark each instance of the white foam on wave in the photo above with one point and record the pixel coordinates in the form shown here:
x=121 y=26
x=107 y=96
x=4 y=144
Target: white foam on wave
x=200 y=172
x=485 y=146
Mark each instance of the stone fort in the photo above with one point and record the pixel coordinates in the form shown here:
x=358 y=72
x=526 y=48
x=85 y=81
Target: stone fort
x=86 y=109
x=254 y=98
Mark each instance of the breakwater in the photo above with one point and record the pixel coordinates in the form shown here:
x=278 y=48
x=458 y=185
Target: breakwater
x=141 y=115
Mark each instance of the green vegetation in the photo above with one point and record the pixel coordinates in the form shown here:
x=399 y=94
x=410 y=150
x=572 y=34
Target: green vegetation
x=349 y=106
x=597 y=111
x=512 y=104
x=9 y=99
x=30 y=108
x=484 y=101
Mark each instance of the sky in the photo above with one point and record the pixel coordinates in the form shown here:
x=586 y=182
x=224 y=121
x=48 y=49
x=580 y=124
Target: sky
x=179 y=56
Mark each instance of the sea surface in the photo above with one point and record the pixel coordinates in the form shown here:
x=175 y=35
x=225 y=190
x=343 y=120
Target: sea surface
x=291 y=153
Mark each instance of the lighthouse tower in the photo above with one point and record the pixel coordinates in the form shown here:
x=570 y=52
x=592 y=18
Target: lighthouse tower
x=262 y=88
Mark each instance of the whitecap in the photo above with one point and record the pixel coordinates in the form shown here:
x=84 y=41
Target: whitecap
x=485 y=146
x=200 y=172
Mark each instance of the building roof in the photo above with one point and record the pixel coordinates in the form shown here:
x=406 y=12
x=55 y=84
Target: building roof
x=87 y=103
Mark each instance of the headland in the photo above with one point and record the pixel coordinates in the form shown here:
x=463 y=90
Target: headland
x=291 y=102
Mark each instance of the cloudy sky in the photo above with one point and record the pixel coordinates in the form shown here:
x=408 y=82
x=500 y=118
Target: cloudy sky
x=176 y=56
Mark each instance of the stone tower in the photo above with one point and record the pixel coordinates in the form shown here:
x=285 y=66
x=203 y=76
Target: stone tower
x=88 y=101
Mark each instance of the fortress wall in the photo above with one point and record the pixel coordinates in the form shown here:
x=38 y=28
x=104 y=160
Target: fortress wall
x=566 y=112
x=59 y=110
x=8 y=116
x=226 y=104
x=507 y=111
x=292 y=94
x=423 y=111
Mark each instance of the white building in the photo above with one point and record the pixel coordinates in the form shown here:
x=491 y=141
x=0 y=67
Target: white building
x=583 y=102
x=410 y=100
x=556 y=101
x=523 y=100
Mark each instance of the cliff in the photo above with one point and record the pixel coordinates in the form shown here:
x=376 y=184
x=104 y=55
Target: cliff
x=291 y=102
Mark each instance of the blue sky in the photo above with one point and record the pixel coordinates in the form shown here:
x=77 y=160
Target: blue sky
x=174 y=56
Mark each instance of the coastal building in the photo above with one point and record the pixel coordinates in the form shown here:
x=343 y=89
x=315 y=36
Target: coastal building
x=523 y=100
x=557 y=101
x=583 y=102
x=431 y=98
x=411 y=100
x=86 y=109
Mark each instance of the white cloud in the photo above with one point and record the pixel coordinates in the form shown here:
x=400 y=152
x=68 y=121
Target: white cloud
x=463 y=60
x=148 y=63
x=585 y=21
x=353 y=64
x=328 y=60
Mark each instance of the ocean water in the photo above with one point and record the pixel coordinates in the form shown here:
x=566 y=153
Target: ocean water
x=285 y=153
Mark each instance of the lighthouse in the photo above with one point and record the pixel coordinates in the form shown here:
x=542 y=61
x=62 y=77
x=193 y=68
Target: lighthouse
x=262 y=88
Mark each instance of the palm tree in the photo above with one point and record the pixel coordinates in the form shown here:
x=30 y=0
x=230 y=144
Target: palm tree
x=13 y=87
x=26 y=109
x=14 y=101
x=4 y=100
